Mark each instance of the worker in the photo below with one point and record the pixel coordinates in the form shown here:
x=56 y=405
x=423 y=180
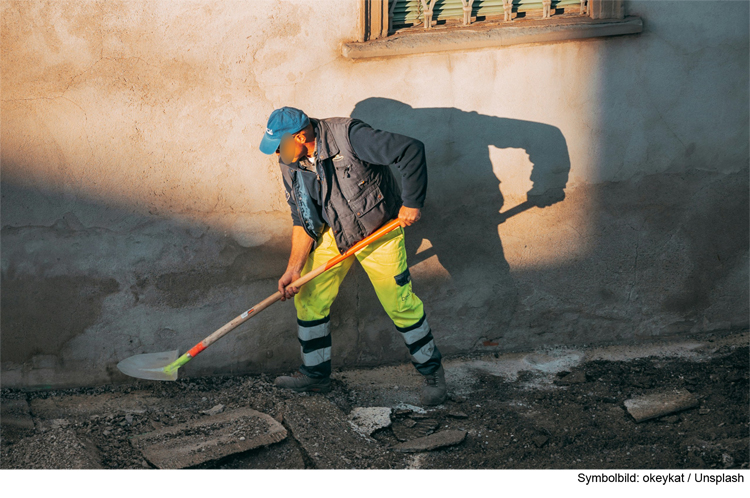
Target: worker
x=340 y=189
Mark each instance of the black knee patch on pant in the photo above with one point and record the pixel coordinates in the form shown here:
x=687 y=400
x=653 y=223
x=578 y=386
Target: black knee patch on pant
x=403 y=278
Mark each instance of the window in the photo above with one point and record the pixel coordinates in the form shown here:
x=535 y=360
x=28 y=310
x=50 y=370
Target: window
x=409 y=13
x=398 y=27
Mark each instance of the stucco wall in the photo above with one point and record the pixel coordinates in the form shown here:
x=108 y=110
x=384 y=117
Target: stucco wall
x=139 y=216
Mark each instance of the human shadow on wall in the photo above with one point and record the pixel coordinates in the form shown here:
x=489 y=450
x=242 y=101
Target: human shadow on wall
x=464 y=208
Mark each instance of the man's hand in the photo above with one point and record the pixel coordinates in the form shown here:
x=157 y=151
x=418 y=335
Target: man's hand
x=409 y=216
x=301 y=245
x=286 y=279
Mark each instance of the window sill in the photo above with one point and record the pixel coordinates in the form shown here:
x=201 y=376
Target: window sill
x=420 y=41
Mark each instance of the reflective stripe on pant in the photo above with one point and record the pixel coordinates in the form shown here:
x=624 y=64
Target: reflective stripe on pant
x=315 y=346
x=385 y=263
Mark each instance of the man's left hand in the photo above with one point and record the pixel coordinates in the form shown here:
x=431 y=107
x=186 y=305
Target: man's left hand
x=409 y=216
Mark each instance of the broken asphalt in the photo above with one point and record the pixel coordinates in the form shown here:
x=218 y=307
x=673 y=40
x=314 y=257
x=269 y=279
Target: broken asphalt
x=557 y=408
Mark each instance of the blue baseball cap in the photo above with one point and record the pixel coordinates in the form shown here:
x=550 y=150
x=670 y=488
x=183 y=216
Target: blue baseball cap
x=284 y=121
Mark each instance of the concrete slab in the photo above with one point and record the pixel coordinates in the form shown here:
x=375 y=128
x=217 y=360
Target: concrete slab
x=432 y=442
x=284 y=455
x=209 y=438
x=655 y=405
x=324 y=433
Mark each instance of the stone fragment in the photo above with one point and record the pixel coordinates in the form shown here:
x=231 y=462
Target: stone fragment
x=412 y=429
x=215 y=410
x=457 y=415
x=656 y=405
x=540 y=440
x=206 y=439
x=428 y=443
x=406 y=406
x=367 y=420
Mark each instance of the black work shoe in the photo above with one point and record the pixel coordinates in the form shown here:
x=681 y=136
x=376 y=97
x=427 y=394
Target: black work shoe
x=301 y=383
x=434 y=390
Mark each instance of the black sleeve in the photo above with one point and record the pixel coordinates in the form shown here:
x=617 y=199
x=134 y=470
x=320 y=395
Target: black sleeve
x=296 y=221
x=407 y=154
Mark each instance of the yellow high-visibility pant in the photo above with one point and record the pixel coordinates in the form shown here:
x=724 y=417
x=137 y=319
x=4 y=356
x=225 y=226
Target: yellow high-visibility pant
x=385 y=263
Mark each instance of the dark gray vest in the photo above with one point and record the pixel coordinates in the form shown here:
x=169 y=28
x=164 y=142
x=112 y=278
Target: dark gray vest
x=361 y=197
x=358 y=197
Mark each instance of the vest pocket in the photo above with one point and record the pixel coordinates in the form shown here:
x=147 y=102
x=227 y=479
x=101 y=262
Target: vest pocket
x=347 y=180
x=369 y=208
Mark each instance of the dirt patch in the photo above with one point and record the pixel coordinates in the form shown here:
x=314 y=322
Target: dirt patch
x=535 y=419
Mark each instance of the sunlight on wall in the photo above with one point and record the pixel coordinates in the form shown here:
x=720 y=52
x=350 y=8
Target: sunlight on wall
x=539 y=237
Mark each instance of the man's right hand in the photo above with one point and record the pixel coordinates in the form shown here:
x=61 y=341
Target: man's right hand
x=286 y=279
x=301 y=245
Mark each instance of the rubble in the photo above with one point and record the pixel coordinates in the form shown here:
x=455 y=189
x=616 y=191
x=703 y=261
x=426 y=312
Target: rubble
x=523 y=421
x=59 y=448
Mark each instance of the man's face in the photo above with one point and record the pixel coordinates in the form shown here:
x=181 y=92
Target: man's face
x=292 y=148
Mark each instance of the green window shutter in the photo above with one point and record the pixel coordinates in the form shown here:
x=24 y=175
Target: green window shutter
x=410 y=12
x=407 y=13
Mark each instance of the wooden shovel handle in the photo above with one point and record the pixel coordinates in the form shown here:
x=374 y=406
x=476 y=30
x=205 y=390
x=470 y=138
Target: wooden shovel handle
x=240 y=319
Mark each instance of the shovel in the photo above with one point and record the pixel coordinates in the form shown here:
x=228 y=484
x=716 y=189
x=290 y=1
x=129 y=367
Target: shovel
x=163 y=366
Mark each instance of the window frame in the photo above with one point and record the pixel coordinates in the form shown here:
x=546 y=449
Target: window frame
x=605 y=18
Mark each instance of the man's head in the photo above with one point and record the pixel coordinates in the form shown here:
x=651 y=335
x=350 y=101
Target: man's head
x=289 y=133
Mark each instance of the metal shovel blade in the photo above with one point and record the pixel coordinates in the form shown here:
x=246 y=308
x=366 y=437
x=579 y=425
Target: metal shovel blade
x=150 y=366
